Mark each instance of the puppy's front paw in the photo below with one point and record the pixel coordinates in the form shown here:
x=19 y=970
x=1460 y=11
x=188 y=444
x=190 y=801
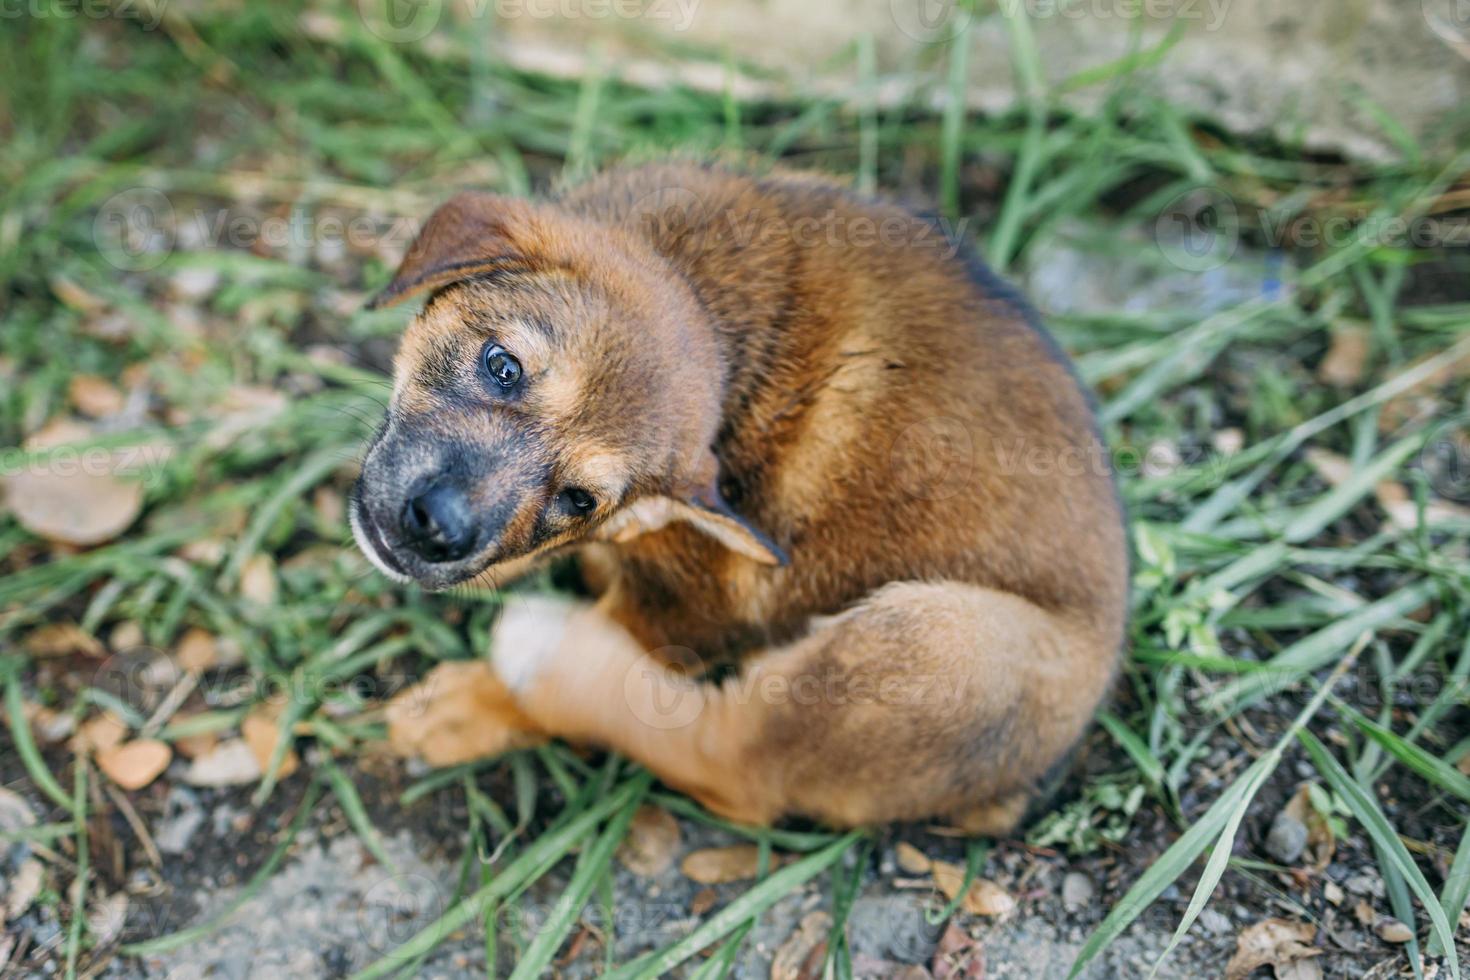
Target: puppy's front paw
x=460 y=711
x=528 y=634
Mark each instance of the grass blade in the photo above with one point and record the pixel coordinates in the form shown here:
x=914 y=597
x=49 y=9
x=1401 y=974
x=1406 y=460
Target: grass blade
x=1368 y=813
x=744 y=908
x=541 y=853
x=590 y=869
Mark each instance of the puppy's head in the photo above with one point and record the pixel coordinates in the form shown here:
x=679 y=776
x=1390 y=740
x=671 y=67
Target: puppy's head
x=559 y=374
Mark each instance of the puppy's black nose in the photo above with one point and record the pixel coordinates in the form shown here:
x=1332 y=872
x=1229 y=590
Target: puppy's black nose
x=437 y=525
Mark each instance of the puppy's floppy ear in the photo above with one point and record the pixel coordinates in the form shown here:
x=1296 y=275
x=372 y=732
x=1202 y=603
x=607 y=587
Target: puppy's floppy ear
x=708 y=511
x=698 y=502
x=469 y=234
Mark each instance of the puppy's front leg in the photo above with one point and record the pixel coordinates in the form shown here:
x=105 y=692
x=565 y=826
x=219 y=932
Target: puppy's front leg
x=578 y=675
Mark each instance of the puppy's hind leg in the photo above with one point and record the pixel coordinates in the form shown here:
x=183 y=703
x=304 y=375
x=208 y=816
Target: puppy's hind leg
x=924 y=700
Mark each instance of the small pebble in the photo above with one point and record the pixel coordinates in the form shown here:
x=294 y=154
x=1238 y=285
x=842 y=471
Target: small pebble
x=1215 y=923
x=1287 y=839
x=1333 y=893
x=1365 y=884
x=1077 y=891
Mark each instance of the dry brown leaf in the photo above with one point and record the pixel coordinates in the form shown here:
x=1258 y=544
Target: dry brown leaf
x=653 y=837
x=49 y=725
x=1391 y=930
x=1333 y=468
x=106 y=918
x=911 y=859
x=73 y=501
x=330 y=507
x=1364 y=913
x=230 y=763
x=1279 y=942
x=1403 y=510
x=258 y=580
x=802 y=955
x=1321 y=841
x=25 y=885
x=983 y=897
x=133 y=765
x=959 y=956
x=261 y=730
x=96 y=734
x=720 y=865
x=460 y=711
x=1347 y=355
x=126 y=636
x=95 y=397
x=62 y=640
x=197 y=650
x=703 y=901
x=1418 y=401
x=73 y=295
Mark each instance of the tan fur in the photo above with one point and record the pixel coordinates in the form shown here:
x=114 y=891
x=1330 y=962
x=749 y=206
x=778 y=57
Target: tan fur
x=741 y=389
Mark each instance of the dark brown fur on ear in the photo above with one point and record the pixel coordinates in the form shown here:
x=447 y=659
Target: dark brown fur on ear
x=470 y=234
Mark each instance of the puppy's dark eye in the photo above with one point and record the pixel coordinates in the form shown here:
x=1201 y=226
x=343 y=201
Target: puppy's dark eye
x=502 y=367
x=576 y=501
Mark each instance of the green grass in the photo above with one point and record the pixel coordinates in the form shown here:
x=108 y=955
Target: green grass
x=1258 y=588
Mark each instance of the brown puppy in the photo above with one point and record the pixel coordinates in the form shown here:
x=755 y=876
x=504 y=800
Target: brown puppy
x=790 y=434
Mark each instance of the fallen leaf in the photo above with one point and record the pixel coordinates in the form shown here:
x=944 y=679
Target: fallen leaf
x=959 y=956
x=460 y=711
x=75 y=499
x=133 y=765
x=1364 y=913
x=802 y=955
x=106 y=918
x=261 y=729
x=703 y=901
x=25 y=885
x=15 y=813
x=983 y=897
x=1347 y=355
x=62 y=640
x=911 y=859
x=1279 y=942
x=330 y=508
x=197 y=650
x=126 y=636
x=258 y=580
x=1333 y=892
x=50 y=726
x=1334 y=468
x=653 y=837
x=95 y=396
x=1403 y=510
x=105 y=731
x=230 y=763
x=1228 y=442
x=1391 y=930
x=720 y=865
